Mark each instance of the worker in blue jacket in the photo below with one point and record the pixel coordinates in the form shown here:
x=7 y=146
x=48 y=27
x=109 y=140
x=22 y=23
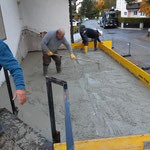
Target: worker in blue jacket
x=10 y=63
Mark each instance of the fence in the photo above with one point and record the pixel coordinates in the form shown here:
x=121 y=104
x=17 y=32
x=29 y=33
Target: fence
x=138 y=49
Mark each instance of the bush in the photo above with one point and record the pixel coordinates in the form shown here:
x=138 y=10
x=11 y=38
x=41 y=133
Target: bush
x=81 y=27
x=134 y=20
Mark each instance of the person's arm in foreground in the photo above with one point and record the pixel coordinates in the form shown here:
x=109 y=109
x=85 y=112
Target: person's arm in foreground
x=10 y=63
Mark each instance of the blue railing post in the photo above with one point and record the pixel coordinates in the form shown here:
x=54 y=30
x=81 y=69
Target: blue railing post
x=69 y=133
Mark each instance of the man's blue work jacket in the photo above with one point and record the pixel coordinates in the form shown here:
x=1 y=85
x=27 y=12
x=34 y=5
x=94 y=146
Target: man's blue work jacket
x=8 y=62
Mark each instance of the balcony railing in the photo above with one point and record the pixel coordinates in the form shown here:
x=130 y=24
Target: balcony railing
x=133 y=6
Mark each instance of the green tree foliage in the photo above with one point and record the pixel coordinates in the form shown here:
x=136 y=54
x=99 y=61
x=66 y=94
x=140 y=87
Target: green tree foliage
x=88 y=9
x=73 y=3
x=109 y=4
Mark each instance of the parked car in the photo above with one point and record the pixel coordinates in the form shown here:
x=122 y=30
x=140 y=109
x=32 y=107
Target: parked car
x=85 y=19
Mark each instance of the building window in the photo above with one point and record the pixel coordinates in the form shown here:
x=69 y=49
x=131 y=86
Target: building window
x=135 y=13
x=142 y=14
x=125 y=13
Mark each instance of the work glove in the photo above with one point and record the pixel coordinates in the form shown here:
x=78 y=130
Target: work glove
x=50 y=53
x=72 y=57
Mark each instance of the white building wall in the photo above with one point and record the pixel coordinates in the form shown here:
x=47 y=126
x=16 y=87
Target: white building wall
x=121 y=6
x=45 y=15
x=118 y=5
x=12 y=25
x=139 y=14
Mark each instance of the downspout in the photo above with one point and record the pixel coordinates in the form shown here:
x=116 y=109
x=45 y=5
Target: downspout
x=71 y=26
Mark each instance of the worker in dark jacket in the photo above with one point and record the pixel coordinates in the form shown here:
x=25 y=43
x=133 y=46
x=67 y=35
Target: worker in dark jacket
x=90 y=33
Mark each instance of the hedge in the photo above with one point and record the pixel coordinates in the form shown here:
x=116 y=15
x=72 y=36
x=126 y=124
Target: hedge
x=134 y=20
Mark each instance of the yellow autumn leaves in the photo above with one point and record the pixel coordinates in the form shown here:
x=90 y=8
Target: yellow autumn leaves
x=100 y=5
x=145 y=8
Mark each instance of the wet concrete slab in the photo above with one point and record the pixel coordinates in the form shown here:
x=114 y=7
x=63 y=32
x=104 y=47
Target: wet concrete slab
x=105 y=100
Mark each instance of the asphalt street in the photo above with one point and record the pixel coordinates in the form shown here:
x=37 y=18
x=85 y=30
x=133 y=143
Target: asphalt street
x=140 y=43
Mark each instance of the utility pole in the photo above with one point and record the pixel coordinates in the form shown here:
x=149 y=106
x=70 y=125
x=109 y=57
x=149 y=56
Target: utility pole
x=71 y=29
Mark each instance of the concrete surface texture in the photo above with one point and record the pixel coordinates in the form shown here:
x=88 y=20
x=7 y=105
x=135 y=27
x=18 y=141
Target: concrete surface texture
x=17 y=135
x=105 y=100
x=7 y=144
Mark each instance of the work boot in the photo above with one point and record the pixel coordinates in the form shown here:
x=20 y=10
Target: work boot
x=85 y=49
x=45 y=68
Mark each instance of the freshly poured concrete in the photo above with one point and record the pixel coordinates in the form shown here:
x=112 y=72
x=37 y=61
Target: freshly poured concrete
x=105 y=100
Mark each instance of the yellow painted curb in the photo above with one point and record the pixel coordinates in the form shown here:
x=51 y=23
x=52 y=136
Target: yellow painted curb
x=138 y=72
x=120 y=143
x=91 y=45
x=107 y=48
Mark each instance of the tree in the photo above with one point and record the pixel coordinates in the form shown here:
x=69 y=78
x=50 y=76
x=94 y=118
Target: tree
x=88 y=8
x=100 y=5
x=73 y=3
x=108 y=4
x=105 y=5
x=145 y=7
x=148 y=1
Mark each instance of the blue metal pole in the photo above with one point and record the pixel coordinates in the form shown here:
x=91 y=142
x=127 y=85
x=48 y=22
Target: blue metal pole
x=69 y=134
